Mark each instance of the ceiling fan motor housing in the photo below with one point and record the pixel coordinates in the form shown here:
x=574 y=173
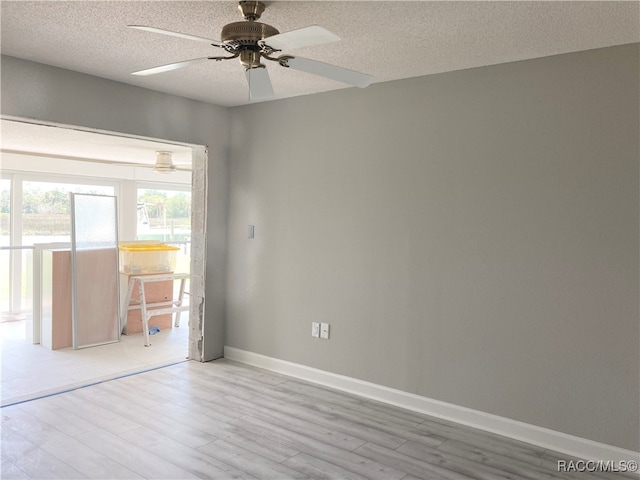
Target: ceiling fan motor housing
x=243 y=37
x=247 y=34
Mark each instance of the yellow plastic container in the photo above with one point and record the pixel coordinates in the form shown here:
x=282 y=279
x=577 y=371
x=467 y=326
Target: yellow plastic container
x=157 y=258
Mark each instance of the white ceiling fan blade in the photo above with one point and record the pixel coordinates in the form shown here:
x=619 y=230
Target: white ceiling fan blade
x=118 y=163
x=302 y=37
x=259 y=84
x=169 y=67
x=333 y=72
x=176 y=34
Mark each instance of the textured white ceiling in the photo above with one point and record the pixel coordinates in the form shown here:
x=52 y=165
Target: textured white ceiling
x=389 y=40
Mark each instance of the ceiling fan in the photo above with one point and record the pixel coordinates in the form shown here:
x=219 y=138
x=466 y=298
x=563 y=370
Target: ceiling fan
x=251 y=41
x=163 y=162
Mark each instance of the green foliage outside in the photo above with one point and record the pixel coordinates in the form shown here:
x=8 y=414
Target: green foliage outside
x=157 y=202
x=60 y=224
x=4 y=224
x=48 y=212
x=56 y=201
x=5 y=201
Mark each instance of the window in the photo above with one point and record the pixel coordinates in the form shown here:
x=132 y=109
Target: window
x=164 y=214
x=46 y=209
x=32 y=210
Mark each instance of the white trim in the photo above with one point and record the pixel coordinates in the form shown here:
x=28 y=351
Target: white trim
x=543 y=437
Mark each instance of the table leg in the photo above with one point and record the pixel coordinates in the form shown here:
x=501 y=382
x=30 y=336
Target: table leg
x=179 y=302
x=143 y=314
x=124 y=313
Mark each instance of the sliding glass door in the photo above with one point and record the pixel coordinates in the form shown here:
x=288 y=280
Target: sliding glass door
x=5 y=242
x=33 y=209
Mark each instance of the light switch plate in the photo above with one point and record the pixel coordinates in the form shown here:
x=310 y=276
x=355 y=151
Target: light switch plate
x=315 y=329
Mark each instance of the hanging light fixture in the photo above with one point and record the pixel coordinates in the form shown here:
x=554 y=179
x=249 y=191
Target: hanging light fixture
x=164 y=164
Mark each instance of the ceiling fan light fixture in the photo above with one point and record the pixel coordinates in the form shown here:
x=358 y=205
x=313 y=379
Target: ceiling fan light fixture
x=164 y=163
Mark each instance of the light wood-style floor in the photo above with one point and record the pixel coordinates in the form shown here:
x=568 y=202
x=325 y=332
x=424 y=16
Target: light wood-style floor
x=226 y=420
x=29 y=371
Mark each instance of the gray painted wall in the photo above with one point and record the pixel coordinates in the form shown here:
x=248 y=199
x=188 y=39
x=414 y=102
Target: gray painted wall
x=35 y=91
x=472 y=237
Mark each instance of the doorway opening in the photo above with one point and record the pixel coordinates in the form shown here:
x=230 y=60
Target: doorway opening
x=34 y=190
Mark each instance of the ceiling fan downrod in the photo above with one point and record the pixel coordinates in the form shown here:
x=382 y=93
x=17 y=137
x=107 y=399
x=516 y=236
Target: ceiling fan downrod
x=251 y=10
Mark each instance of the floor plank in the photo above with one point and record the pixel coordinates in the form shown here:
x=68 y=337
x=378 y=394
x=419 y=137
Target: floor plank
x=192 y=460
x=247 y=461
x=435 y=455
x=316 y=468
x=34 y=461
x=144 y=462
x=414 y=466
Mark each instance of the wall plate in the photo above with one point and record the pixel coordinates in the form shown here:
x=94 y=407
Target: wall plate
x=324 y=330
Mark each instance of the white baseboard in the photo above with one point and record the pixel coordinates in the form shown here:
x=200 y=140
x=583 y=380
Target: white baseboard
x=543 y=437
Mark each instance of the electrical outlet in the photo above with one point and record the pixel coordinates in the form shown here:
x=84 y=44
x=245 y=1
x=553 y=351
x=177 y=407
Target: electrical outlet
x=315 y=329
x=324 y=330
